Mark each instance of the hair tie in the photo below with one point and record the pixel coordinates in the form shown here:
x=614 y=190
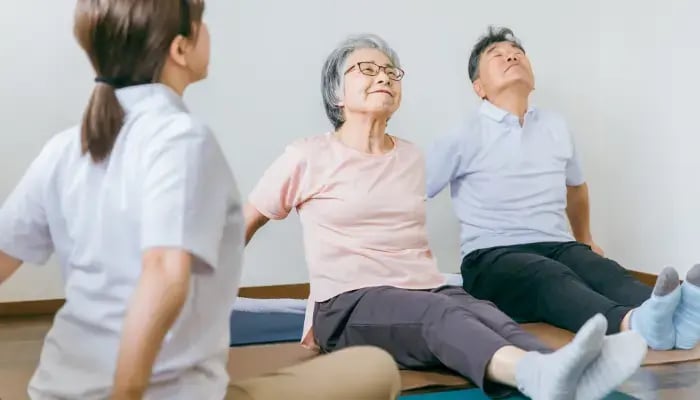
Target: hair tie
x=104 y=80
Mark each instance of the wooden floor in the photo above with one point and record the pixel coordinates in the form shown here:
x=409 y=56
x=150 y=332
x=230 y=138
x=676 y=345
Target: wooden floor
x=21 y=340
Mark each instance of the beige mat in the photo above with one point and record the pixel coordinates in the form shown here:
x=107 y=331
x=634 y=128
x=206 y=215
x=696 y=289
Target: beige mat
x=250 y=361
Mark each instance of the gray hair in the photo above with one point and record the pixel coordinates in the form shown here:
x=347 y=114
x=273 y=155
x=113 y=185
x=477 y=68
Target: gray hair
x=333 y=71
x=492 y=36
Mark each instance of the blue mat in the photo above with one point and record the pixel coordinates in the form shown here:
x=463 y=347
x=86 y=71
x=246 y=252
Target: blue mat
x=248 y=328
x=465 y=394
x=253 y=327
x=477 y=394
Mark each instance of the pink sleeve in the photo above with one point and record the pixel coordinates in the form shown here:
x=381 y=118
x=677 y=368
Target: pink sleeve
x=282 y=186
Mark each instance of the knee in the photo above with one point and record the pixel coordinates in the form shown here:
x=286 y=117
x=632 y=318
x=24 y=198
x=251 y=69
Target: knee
x=379 y=363
x=442 y=308
x=552 y=271
x=379 y=371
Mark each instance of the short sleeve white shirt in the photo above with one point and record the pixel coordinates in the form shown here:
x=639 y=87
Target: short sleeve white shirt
x=165 y=184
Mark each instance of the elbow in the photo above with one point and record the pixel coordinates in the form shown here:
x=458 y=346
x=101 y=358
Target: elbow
x=172 y=269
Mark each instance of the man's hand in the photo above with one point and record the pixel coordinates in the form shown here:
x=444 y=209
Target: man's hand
x=596 y=249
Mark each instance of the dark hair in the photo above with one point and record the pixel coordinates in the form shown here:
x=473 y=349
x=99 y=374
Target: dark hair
x=127 y=42
x=492 y=36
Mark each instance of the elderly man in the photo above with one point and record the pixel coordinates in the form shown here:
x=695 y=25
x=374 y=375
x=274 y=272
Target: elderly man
x=515 y=177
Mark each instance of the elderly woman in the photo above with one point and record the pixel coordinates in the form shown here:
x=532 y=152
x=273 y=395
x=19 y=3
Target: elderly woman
x=359 y=192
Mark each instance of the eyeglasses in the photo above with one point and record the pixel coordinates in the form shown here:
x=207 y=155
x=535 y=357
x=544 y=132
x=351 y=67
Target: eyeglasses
x=369 y=68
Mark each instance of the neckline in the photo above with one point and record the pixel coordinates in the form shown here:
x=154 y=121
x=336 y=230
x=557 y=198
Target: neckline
x=389 y=153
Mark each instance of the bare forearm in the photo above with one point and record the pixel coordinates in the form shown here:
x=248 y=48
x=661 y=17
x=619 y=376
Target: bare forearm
x=8 y=266
x=254 y=220
x=250 y=231
x=153 y=309
x=578 y=211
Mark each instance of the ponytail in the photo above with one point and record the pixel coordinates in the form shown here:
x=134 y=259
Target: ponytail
x=127 y=43
x=102 y=121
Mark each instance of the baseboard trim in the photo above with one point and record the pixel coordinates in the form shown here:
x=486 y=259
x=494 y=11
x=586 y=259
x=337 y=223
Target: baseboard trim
x=292 y=291
x=30 y=308
x=646 y=278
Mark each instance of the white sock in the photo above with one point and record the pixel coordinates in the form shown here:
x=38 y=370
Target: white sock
x=654 y=318
x=556 y=376
x=687 y=317
x=621 y=356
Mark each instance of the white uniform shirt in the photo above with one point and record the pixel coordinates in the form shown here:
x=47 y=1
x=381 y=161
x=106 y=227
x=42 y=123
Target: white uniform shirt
x=166 y=183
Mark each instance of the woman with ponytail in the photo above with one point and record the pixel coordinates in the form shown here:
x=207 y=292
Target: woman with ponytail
x=141 y=209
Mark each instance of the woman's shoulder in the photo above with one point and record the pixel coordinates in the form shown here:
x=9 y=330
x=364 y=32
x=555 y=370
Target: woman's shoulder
x=405 y=145
x=172 y=129
x=311 y=144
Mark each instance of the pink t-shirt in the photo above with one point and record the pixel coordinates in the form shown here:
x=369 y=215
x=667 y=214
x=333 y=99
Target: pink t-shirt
x=362 y=215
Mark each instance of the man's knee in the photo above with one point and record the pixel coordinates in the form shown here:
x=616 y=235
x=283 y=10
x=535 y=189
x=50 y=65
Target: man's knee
x=551 y=271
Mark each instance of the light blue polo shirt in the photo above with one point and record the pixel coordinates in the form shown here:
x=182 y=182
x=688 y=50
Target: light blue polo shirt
x=507 y=181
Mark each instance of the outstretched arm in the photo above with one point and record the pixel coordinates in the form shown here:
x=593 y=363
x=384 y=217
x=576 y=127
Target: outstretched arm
x=442 y=162
x=282 y=187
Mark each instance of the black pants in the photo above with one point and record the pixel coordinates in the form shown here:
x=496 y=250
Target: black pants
x=563 y=284
x=423 y=329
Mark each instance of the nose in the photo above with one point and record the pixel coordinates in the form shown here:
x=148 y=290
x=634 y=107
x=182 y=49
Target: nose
x=512 y=57
x=383 y=79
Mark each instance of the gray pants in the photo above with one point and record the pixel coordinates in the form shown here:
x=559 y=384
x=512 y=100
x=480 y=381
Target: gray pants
x=423 y=329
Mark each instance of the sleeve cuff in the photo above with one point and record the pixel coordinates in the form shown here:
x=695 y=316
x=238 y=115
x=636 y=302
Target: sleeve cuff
x=24 y=254
x=264 y=210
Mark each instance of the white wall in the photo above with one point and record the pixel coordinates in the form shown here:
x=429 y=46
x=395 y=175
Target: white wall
x=623 y=72
x=646 y=188
x=44 y=84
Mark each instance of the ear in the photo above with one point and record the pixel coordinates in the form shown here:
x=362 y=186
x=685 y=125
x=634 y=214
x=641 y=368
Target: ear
x=479 y=89
x=339 y=94
x=178 y=50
